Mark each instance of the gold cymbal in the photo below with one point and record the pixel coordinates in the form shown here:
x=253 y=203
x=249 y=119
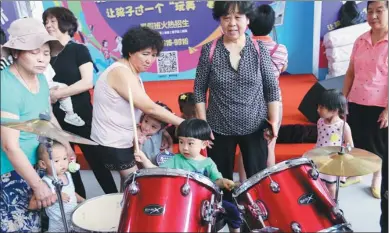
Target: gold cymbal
x=49 y=130
x=354 y=162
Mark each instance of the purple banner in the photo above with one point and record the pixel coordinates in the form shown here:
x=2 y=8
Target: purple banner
x=330 y=15
x=8 y=14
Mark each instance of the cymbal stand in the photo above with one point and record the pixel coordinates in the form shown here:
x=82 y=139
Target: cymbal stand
x=341 y=152
x=56 y=182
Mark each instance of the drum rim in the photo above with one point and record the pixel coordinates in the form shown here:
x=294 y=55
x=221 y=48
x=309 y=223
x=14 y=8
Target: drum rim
x=87 y=200
x=269 y=171
x=172 y=172
x=337 y=227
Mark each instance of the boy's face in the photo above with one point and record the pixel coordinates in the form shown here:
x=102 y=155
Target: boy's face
x=189 y=111
x=150 y=126
x=190 y=147
x=60 y=159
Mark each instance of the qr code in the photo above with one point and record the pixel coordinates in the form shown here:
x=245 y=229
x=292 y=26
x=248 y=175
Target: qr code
x=167 y=62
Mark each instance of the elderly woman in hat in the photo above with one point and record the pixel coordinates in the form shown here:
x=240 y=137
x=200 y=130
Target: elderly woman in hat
x=24 y=95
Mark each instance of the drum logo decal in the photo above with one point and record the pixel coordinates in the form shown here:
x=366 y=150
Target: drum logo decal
x=154 y=210
x=307 y=199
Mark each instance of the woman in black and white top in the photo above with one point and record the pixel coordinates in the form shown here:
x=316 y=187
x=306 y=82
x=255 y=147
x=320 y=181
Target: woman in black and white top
x=243 y=92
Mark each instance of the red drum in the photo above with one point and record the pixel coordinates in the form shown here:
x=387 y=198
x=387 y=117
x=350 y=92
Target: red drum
x=289 y=196
x=168 y=200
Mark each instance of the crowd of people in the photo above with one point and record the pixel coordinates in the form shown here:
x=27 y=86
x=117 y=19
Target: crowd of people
x=45 y=71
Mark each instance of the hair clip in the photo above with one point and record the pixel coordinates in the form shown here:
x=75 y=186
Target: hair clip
x=183 y=97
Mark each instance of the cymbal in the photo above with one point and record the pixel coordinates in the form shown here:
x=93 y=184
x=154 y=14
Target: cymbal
x=49 y=130
x=354 y=162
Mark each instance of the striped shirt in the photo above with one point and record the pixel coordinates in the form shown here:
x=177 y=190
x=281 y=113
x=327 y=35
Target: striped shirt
x=279 y=57
x=4 y=62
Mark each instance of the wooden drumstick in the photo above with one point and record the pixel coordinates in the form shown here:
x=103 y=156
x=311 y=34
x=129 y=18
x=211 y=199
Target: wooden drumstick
x=131 y=102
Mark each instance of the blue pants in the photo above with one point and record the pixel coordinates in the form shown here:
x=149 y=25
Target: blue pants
x=232 y=215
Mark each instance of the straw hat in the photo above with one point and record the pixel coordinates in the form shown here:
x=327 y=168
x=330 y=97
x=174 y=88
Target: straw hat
x=29 y=34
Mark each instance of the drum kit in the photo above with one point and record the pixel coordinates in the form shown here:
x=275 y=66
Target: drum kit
x=287 y=197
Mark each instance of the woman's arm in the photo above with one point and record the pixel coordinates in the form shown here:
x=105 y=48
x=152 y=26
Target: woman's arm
x=86 y=83
x=201 y=82
x=21 y=164
x=350 y=74
x=83 y=60
x=271 y=88
x=348 y=79
x=120 y=79
x=11 y=147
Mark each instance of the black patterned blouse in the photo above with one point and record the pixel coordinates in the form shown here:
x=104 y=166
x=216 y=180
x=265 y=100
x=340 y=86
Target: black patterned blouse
x=237 y=98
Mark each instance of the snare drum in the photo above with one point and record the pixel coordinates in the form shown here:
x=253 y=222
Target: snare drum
x=99 y=214
x=168 y=200
x=291 y=197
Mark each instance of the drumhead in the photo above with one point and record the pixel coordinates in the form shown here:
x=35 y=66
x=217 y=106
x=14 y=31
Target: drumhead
x=172 y=172
x=269 y=171
x=99 y=214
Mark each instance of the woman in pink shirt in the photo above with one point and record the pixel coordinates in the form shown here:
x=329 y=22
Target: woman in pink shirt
x=366 y=85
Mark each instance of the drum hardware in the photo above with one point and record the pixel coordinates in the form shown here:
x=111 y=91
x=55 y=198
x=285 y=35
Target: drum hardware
x=295 y=227
x=259 y=201
x=274 y=186
x=344 y=227
x=210 y=210
x=256 y=210
x=133 y=188
x=185 y=189
x=314 y=173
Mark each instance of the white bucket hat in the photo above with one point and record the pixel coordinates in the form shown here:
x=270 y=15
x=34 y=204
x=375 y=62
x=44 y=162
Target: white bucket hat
x=28 y=34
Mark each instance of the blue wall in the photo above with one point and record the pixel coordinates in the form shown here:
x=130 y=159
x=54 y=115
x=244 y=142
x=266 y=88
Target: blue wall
x=297 y=35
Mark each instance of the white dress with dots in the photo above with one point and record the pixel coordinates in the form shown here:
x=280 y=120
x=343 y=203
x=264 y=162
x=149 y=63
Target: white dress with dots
x=329 y=135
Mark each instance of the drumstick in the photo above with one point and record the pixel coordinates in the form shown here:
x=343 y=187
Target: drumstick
x=131 y=102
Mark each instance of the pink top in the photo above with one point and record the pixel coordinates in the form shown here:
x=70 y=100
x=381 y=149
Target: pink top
x=370 y=86
x=280 y=54
x=112 y=122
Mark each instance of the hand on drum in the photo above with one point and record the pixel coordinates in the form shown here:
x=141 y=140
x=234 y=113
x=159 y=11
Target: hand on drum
x=225 y=183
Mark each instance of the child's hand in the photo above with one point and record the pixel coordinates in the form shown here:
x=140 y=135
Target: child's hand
x=65 y=197
x=228 y=184
x=142 y=139
x=140 y=156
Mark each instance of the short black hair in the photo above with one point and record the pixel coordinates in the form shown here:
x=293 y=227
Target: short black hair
x=333 y=100
x=186 y=98
x=370 y=2
x=223 y=8
x=3 y=37
x=67 y=22
x=140 y=38
x=263 y=20
x=194 y=128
